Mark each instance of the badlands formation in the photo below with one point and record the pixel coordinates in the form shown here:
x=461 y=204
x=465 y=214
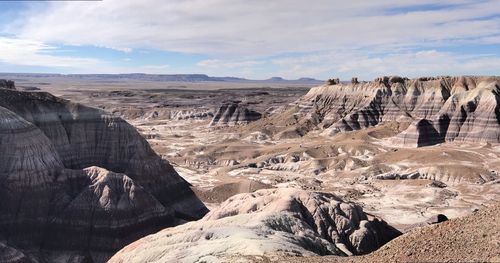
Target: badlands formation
x=78 y=184
x=278 y=221
x=234 y=114
x=289 y=173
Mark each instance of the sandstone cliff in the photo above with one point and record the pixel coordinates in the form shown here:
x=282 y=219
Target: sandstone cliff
x=440 y=109
x=267 y=222
x=50 y=201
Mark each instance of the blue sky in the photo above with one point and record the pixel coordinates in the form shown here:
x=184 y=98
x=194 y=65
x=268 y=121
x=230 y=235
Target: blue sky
x=253 y=39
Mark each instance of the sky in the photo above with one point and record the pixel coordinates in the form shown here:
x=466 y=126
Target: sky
x=254 y=39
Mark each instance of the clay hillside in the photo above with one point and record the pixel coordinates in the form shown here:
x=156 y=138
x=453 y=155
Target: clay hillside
x=436 y=109
x=79 y=183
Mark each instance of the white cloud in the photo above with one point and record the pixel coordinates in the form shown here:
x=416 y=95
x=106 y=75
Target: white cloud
x=35 y=53
x=218 y=64
x=291 y=38
x=350 y=63
x=154 y=68
x=24 y=52
x=232 y=67
x=259 y=27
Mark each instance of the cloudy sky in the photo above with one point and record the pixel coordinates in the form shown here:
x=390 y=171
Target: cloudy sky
x=253 y=39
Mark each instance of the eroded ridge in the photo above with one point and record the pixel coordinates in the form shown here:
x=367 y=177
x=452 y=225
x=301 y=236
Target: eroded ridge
x=267 y=222
x=51 y=201
x=439 y=109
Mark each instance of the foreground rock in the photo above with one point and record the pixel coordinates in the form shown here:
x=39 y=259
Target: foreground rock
x=11 y=255
x=438 y=109
x=473 y=238
x=111 y=212
x=51 y=203
x=267 y=222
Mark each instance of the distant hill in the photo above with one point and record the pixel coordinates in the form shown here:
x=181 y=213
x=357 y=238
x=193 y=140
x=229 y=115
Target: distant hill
x=161 y=77
x=276 y=79
x=301 y=80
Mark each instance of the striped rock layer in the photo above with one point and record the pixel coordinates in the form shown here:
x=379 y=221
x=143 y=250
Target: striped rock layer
x=73 y=178
x=11 y=255
x=440 y=109
x=266 y=222
x=234 y=114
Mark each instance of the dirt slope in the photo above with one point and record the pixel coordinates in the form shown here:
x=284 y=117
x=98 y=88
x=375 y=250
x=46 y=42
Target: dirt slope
x=474 y=238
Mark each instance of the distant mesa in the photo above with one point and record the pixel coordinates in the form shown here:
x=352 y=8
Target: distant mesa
x=276 y=79
x=166 y=78
x=300 y=80
x=307 y=79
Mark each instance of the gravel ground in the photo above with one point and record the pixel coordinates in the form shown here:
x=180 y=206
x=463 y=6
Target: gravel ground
x=474 y=238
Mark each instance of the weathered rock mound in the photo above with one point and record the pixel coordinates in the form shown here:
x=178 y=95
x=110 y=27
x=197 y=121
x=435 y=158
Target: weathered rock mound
x=47 y=200
x=192 y=114
x=234 y=114
x=29 y=167
x=11 y=255
x=441 y=109
x=267 y=222
x=84 y=137
x=115 y=208
x=28 y=157
x=168 y=114
x=7 y=84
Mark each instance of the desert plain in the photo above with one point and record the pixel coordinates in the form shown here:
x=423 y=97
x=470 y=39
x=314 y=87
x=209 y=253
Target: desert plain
x=367 y=143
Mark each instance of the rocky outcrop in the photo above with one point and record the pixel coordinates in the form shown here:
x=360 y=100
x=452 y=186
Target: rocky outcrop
x=471 y=238
x=398 y=176
x=29 y=167
x=420 y=133
x=333 y=81
x=7 y=84
x=168 y=114
x=234 y=114
x=434 y=219
x=470 y=114
x=84 y=137
x=11 y=255
x=267 y=222
x=192 y=114
x=441 y=175
x=109 y=213
x=50 y=201
x=441 y=109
